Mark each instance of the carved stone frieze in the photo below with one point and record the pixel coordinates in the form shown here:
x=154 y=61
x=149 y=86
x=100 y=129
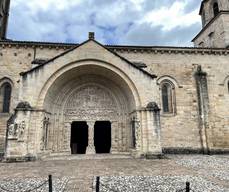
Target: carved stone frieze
x=16 y=129
x=136 y=133
x=21 y=130
x=89 y=102
x=44 y=140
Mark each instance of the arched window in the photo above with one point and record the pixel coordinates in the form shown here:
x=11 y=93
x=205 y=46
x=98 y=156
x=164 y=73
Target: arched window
x=5 y=92
x=215 y=9
x=167 y=97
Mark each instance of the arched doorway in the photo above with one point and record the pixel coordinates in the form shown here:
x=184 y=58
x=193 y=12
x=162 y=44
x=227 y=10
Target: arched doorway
x=102 y=136
x=79 y=137
x=94 y=95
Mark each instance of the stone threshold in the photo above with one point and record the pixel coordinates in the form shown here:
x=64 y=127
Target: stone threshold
x=87 y=156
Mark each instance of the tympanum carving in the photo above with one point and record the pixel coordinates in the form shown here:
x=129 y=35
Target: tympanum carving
x=91 y=101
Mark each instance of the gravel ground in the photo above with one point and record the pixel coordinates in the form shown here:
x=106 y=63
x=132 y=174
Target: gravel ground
x=214 y=166
x=119 y=173
x=32 y=184
x=156 y=184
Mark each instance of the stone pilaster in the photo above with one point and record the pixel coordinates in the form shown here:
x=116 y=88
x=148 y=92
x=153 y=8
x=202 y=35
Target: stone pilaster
x=154 y=129
x=203 y=104
x=91 y=146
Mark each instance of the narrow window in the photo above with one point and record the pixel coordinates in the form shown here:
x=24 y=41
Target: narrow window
x=167 y=98
x=215 y=9
x=203 y=18
x=6 y=95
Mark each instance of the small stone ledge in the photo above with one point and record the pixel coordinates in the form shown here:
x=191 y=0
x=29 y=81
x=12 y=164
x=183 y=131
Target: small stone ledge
x=155 y=156
x=182 y=151
x=19 y=159
x=187 y=151
x=219 y=151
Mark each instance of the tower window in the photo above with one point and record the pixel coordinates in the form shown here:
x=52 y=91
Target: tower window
x=215 y=9
x=5 y=92
x=167 y=93
x=203 y=18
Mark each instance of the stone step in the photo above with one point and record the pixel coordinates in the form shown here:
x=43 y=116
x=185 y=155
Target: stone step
x=84 y=156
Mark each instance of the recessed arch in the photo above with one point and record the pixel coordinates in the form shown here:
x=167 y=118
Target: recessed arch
x=64 y=97
x=170 y=79
x=121 y=76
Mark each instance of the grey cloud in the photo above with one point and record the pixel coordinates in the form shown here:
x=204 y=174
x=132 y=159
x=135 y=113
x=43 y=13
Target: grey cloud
x=145 y=35
x=114 y=22
x=192 y=5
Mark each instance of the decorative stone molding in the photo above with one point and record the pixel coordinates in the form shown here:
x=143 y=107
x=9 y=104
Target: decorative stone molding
x=136 y=133
x=16 y=129
x=120 y=48
x=44 y=140
x=91 y=100
x=11 y=128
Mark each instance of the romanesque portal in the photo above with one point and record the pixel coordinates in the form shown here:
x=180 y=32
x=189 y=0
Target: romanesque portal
x=90 y=114
x=85 y=106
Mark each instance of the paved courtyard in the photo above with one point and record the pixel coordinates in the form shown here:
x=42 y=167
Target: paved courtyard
x=119 y=173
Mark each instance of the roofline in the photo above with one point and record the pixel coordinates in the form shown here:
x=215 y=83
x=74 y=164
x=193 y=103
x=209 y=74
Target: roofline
x=136 y=48
x=75 y=47
x=210 y=22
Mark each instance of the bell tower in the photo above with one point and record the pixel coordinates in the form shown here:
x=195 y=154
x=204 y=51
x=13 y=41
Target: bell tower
x=4 y=15
x=215 y=24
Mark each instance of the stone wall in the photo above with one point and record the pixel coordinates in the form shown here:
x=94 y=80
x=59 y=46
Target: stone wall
x=180 y=131
x=15 y=59
x=216 y=34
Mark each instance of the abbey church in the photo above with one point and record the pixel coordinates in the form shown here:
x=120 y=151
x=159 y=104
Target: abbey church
x=89 y=98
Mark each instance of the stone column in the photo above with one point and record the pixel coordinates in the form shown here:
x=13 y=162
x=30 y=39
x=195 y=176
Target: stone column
x=91 y=146
x=114 y=138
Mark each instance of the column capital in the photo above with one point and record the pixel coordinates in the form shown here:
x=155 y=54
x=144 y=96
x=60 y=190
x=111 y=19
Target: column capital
x=91 y=124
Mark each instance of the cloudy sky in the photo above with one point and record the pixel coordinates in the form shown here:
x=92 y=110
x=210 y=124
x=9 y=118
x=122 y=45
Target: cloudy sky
x=131 y=22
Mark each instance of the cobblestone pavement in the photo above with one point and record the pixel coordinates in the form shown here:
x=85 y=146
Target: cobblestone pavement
x=76 y=173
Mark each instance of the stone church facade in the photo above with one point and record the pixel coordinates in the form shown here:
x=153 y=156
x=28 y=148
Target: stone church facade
x=59 y=98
